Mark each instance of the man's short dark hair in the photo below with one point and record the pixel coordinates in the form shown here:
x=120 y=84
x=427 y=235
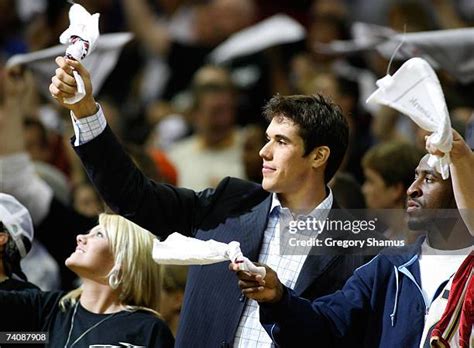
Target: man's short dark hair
x=394 y=161
x=320 y=122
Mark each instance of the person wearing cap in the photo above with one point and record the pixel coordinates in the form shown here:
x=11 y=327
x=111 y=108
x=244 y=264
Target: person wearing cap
x=117 y=302
x=16 y=236
x=55 y=222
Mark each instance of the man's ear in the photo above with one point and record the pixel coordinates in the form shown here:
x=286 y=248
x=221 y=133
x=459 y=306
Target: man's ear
x=320 y=156
x=3 y=238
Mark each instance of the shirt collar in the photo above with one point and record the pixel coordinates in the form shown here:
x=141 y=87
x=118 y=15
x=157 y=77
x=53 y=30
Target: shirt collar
x=325 y=205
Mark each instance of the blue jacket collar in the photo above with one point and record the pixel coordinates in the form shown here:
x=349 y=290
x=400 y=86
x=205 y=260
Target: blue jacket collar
x=404 y=256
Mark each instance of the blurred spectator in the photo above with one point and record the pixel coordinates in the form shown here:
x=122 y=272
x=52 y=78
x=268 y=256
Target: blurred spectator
x=345 y=93
x=384 y=125
x=231 y=16
x=54 y=220
x=16 y=236
x=389 y=169
x=56 y=180
x=448 y=15
x=410 y=16
x=325 y=28
x=347 y=191
x=153 y=162
x=41 y=268
x=172 y=285
x=36 y=140
x=167 y=171
x=336 y=8
x=325 y=25
x=215 y=150
x=44 y=29
x=168 y=125
x=114 y=116
x=41 y=145
x=254 y=140
x=208 y=24
x=86 y=201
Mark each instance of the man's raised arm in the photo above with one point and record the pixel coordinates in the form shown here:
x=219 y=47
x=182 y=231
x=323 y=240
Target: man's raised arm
x=160 y=208
x=462 y=170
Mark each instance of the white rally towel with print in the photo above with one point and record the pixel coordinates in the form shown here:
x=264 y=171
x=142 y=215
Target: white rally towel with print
x=181 y=250
x=99 y=63
x=414 y=90
x=81 y=36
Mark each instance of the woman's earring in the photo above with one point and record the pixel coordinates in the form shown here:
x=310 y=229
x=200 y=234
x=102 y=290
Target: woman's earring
x=114 y=280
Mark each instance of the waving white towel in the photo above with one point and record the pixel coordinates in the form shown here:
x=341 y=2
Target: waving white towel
x=273 y=31
x=81 y=36
x=415 y=91
x=181 y=250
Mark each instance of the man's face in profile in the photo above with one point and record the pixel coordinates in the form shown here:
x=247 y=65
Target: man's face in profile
x=426 y=195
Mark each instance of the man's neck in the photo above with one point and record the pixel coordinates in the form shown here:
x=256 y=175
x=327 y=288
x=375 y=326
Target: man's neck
x=100 y=298
x=451 y=237
x=302 y=203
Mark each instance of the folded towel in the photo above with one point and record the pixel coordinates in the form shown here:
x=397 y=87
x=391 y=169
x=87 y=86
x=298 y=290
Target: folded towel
x=99 y=62
x=81 y=36
x=415 y=91
x=181 y=250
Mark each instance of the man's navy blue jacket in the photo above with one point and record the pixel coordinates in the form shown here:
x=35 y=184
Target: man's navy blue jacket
x=236 y=210
x=381 y=305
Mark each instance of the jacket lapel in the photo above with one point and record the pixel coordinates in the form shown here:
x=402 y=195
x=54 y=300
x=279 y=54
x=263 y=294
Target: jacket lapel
x=316 y=263
x=252 y=226
x=314 y=266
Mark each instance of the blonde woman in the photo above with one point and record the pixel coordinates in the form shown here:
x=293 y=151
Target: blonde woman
x=116 y=304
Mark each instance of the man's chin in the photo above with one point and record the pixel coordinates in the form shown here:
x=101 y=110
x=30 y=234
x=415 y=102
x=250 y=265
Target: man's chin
x=266 y=185
x=417 y=224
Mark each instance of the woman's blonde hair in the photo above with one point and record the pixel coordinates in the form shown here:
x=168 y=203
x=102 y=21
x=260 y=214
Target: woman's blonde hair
x=135 y=273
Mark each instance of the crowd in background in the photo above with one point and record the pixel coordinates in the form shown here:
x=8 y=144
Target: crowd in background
x=190 y=122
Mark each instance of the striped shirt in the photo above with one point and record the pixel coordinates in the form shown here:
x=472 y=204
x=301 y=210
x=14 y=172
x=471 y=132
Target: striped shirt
x=288 y=266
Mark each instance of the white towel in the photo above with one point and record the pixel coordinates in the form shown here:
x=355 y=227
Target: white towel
x=276 y=30
x=449 y=49
x=81 y=36
x=99 y=63
x=181 y=250
x=415 y=91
